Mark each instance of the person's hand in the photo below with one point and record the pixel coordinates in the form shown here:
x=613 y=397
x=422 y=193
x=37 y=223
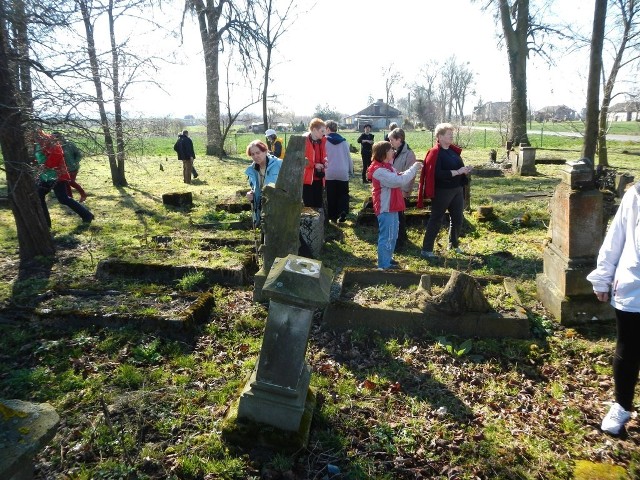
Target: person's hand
x=602 y=296
x=250 y=196
x=319 y=167
x=464 y=171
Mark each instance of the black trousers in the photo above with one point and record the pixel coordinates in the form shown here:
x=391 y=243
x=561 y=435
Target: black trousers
x=60 y=190
x=402 y=225
x=626 y=361
x=366 y=161
x=337 y=198
x=451 y=199
x=312 y=194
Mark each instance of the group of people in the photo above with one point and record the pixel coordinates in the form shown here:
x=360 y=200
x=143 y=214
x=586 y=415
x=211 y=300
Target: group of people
x=391 y=168
x=59 y=161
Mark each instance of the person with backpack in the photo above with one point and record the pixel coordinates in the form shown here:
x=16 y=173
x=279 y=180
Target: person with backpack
x=54 y=176
x=184 y=149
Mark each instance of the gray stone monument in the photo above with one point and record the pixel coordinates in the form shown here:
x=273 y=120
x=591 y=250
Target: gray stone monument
x=281 y=209
x=24 y=429
x=312 y=229
x=576 y=236
x=278 y=388
x=526 y=160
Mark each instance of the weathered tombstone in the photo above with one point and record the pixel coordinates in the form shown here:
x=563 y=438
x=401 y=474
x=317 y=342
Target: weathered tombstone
x=281 y=207
x=24 y=429
x=621 y=182
x=526 y=160
x=178 y=199
x=278 y=388
x=576 y=236
x=312 y=229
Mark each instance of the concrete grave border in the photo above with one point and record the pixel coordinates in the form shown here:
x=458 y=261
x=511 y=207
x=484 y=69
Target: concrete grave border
x=344 y=314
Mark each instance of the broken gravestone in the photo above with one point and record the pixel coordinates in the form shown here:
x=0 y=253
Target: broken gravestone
x=25 y=428
x=461 y=294
x=277 y=391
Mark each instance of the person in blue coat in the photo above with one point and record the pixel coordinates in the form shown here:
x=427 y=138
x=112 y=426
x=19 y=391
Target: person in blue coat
x=263 y=170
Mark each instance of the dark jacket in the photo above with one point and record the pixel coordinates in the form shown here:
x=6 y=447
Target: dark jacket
x=184 y=148
x=366 y=147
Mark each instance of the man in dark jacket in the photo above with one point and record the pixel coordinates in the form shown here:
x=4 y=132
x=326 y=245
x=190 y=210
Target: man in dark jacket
x=184 y=149
x=366 y=140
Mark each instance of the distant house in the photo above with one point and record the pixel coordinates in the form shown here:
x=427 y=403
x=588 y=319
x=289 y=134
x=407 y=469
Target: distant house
x=624 y=112
x=189 y=120
x=257 y=127
x=492 y=112
x=379 y=114
x=556 y=113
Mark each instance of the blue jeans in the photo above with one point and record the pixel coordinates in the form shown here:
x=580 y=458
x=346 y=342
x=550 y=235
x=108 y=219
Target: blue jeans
x=60 y=190
x=387 y=236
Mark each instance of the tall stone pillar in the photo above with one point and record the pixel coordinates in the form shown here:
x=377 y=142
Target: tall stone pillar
x=281 y=209
x=278 y=388
x=576 y=236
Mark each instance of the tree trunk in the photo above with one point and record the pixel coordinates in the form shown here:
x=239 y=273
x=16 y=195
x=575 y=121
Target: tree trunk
x=593 y=87
x=461 y=294
x=603 y=159
x=208 y=18
x=34 y=238
x=117 y=99
x=517 y=52
x=116 y=179
x=267 y=66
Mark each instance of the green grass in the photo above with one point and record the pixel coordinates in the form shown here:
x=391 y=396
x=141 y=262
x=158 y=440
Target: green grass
x=388 y=407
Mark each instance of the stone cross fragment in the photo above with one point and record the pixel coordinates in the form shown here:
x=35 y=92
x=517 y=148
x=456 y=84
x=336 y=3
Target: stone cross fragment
x=281 y=209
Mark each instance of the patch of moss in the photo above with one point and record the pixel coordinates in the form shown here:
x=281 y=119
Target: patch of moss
x=586 y=470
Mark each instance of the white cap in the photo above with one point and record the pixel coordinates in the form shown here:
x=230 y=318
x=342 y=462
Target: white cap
x=270 y=132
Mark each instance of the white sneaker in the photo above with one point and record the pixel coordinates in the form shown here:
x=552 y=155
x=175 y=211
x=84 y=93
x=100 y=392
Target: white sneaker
x=615 y=419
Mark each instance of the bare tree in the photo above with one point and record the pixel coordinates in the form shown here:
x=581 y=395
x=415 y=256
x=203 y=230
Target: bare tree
x=221 y=22
x=624 y=39
x=593 y=87
x=111 y=78
x=523 y=31
x=33 y=233
x=391 y=77
x=272 y=26
x=461 y=83
x=231 y=114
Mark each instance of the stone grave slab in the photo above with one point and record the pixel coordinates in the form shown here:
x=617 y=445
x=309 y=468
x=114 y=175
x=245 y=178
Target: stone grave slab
x=82 y=308
x=344 y=313
x=25 y=428
x=161 y=273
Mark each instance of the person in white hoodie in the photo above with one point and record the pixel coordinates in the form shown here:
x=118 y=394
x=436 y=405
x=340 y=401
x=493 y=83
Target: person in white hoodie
x=617 y=279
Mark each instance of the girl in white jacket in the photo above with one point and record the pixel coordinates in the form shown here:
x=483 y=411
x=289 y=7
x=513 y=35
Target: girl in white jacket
x=617 y=277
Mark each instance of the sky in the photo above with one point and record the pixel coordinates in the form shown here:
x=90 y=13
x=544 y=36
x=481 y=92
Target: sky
x=335 y=55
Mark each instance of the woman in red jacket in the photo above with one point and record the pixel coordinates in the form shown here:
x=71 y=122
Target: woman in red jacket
x=442 y=180
x=316 y=156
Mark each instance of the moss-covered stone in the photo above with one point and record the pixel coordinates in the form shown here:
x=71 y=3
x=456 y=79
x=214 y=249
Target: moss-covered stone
x=586 y=470
x=248 y=434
